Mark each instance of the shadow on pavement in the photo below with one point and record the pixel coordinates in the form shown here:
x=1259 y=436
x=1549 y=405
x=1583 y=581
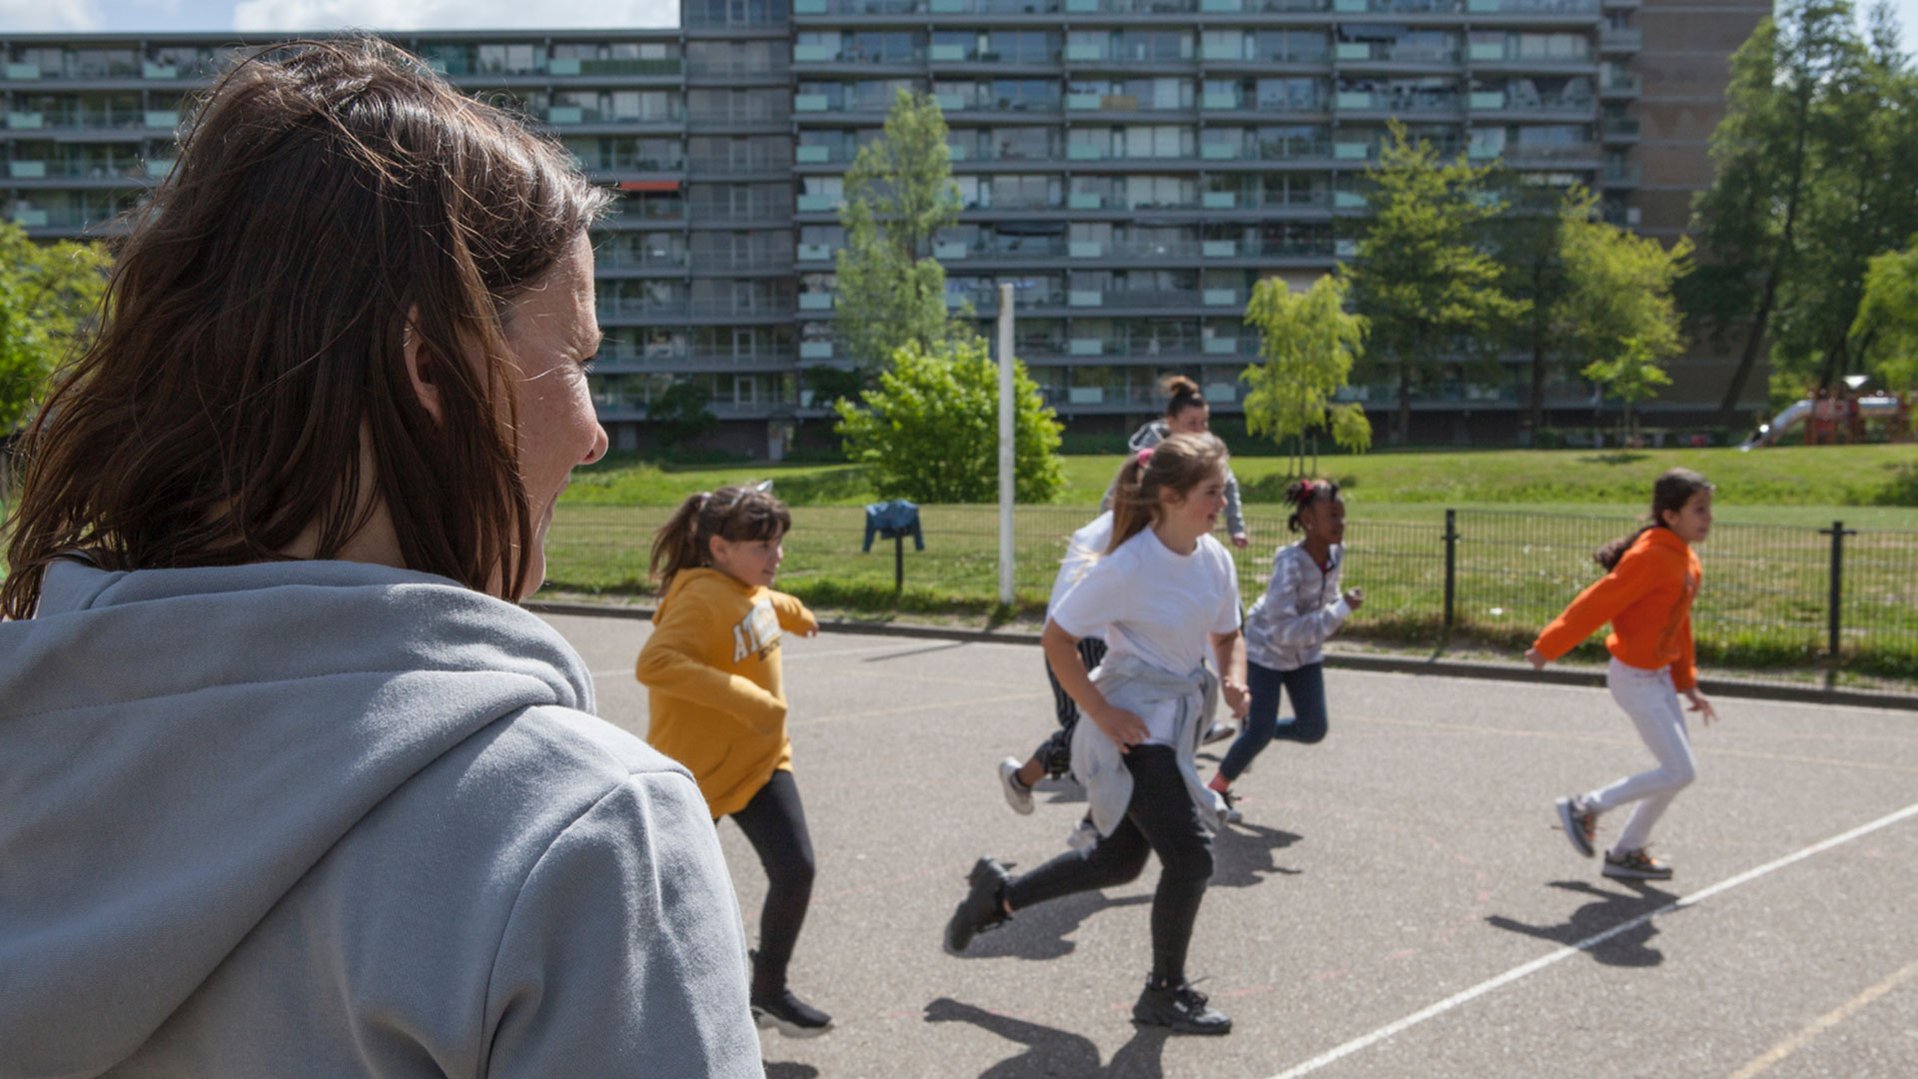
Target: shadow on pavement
x=784 y=1070
x=1054 y=1052
x=1631 y=948
x=1244 y=854
x=1040 y=932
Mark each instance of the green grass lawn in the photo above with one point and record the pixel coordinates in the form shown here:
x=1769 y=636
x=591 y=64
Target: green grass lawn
x=1528 y=521
x=1875 y=485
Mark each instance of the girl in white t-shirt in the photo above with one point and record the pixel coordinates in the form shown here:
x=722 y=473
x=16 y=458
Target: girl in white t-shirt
x=1163 y=594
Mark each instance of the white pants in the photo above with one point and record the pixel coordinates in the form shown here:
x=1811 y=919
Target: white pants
x=1648 y=697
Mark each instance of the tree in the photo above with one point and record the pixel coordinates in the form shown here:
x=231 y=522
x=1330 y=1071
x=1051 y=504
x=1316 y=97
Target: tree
x=682 y=414
x=1308 y=343
x=1888 y=317
x=1617 y=315
x=1860 y=201
x=929 y=430
x=1418 y=278
x=1525 y=240
x=1766 y=163
x=50 y=295
x=889 y=291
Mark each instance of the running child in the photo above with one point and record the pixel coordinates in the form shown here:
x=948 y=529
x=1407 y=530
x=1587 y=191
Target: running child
x=1288 y=626
x=1054 y=755
x=1163 y=594
x=1646 y=594
x=712 y=672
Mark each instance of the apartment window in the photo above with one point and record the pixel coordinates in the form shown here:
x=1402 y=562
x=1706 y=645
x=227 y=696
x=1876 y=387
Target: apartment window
x=505 y=59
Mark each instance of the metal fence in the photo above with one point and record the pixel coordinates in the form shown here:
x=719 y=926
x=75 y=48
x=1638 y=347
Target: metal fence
x=1791 y=604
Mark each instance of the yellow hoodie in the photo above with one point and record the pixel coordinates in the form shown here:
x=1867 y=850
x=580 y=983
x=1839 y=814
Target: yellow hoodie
x=711 y=669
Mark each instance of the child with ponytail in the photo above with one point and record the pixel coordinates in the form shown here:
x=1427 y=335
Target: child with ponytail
x=1162 y=594
x=712 y=671
x=1646 y=594
x=1288 y=626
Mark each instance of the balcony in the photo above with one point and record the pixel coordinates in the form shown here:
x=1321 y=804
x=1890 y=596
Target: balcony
x=1615 y=40
x=1397 y=102
x=1619 y=129
x=1532 y=7
x=1263 y=7
x=634 y=68
x=1388 y=52
x=1621 y=85
x=1619 y=174
x=1398 y=7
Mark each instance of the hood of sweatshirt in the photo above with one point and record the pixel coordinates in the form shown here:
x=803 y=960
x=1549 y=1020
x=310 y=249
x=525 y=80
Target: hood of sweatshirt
x=1149 y=435
x=178 y=747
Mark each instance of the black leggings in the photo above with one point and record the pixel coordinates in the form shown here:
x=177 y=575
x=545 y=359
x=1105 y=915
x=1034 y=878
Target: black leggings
x=1161 y=819
x=775 y=824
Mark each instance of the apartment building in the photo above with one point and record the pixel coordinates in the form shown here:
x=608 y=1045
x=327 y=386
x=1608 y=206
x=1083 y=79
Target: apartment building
x=1134 y=166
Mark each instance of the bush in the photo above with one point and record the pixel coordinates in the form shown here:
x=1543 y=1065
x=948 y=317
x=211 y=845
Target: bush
x=930 y=430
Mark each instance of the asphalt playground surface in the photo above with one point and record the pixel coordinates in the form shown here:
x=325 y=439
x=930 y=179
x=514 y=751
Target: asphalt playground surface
x=1398 y=902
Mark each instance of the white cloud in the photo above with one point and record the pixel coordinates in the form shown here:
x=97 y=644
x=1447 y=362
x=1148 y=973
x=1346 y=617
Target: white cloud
x=32 y=16
x=279 y=15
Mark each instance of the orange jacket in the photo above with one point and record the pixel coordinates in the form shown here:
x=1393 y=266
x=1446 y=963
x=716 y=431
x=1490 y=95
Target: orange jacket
x=1647 y=598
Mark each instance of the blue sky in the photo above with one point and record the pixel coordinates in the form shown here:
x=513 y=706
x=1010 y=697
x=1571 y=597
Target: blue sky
x=270 y=15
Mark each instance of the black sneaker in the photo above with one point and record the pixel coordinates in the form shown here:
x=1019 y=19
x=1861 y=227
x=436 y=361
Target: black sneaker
x=1180 y=1007
x=1635 y=865
x=1581 y=825
x=983 y=907
x=791 y=1016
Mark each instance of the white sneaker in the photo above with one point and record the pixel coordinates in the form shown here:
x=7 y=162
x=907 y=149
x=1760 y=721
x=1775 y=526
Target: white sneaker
x=1085 y=835
x=1018 y=795
x=1219 y=732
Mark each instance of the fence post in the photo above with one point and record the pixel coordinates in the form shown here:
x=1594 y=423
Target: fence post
x=1834 y=603
x=1451 y=566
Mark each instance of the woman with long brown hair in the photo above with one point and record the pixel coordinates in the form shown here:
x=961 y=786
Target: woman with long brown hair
x=292 y=781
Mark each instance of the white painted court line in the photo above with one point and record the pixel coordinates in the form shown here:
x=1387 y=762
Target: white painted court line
x=1510 y=976
x=1825 y=1022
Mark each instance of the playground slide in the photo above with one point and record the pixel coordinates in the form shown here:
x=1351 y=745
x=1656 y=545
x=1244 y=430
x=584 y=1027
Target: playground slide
x=1799 y=411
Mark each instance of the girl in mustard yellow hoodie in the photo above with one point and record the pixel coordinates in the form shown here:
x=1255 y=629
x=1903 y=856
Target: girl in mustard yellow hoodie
x=1647 y=597
x=712 y=671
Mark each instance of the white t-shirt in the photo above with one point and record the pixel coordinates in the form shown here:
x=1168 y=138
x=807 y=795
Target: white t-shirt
x=1150 y=602
x=1082 y=550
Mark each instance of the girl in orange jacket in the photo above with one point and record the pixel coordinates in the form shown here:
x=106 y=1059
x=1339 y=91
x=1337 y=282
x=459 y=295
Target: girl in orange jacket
x=1647 y=597
x=717 y=706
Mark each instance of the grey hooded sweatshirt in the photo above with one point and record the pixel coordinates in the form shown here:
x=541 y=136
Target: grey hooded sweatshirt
x=1150 y=435
x=327 y=818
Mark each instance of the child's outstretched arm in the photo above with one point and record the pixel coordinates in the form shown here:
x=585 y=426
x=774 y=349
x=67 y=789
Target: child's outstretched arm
x=794 y=616
x=670 y=663
x=1596 y=605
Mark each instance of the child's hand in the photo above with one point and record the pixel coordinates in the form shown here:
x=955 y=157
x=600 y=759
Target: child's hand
x=1236 y=699
x=1125 y=728
x=811 y=631
x=1240 y=539
x=1355 y=598
x=1536 y=658
x=1702 y=706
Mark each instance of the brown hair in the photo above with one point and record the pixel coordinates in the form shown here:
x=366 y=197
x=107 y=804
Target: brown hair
x=1178 y=464
x=1306 y=492
x=1670 y=492
x=324 y=192
x=1181 y=393
x=735 y=514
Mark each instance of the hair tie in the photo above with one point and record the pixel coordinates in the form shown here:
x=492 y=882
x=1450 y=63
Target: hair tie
x=1305 y=490
x=1145 y=455
x=704 y=497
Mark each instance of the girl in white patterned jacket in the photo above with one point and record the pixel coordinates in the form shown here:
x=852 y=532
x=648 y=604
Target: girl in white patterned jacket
x=1301 y=607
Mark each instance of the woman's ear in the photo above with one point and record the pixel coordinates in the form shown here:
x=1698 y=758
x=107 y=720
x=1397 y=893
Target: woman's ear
x=422 y=365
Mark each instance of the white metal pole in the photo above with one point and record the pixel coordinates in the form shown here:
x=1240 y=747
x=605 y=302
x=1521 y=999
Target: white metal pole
x=1005 y=443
